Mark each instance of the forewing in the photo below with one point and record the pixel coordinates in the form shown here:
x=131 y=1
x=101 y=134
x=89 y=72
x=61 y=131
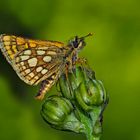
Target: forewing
x=37 y=64
x=11 y=45
x=33 y=60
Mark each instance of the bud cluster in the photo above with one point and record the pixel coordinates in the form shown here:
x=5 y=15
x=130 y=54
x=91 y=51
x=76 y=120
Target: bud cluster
x=80 y=106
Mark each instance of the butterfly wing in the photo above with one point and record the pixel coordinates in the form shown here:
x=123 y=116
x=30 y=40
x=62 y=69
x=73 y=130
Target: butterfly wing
x=10 y=45
x=33 y=60
x=35 y=65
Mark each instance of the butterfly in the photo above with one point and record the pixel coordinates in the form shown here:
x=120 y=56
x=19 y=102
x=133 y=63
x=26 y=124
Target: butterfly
x=42 y=61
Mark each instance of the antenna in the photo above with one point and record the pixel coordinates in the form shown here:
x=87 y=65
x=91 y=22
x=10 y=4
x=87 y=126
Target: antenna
x=89 y=34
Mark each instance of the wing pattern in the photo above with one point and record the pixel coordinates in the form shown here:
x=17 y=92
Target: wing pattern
x=33 y=60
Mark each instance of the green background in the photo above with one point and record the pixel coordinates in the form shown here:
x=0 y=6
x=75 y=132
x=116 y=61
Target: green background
x=113 y=52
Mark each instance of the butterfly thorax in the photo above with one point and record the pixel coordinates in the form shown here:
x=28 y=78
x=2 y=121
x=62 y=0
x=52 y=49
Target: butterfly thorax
x=73 y=48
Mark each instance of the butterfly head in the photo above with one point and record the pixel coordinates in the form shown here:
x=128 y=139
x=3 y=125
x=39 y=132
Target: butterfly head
x=78 y=42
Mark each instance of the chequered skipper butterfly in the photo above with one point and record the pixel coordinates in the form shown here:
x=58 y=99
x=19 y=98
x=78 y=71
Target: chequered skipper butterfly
x=38 y=61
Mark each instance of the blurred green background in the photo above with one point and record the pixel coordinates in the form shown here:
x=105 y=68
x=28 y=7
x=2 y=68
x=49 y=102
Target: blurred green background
x=113 y=52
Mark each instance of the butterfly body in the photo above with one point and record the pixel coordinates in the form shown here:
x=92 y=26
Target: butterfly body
x=38 y=61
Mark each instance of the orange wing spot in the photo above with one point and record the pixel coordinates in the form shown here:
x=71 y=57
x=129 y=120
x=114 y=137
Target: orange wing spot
x=7 y=47
x=14 y=48
x=32 y=45
x=55 y=43
x=46 y=43
x=20 y=41
x=9 y=52
x=58 y=44
x=7 y=43
x=6 y=38
x=12 y=56
x=26 y=46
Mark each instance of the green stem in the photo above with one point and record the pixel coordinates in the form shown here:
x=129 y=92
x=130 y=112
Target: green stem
x=95 y=113
x=89 y=124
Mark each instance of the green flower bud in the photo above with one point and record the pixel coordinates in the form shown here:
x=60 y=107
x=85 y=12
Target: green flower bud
x=95 y=94
x=84 y=74
x=69 y=84
x=59 y=113
x=82 y=86
x=90 y=94
x=66 y=86
x=55 y=109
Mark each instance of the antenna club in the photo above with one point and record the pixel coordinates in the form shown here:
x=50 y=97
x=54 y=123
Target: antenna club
x=90 y=34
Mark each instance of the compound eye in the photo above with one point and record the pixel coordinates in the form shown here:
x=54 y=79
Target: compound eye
x=75 y=42
x=81 y=44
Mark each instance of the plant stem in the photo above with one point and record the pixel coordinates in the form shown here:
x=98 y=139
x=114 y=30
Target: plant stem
x=89 y=123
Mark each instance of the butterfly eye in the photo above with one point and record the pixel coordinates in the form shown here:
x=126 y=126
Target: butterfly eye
x=81 y=44
x=75 y=42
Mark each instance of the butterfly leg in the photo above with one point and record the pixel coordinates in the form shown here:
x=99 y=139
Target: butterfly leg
x=81 y=61
x=66 y=70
